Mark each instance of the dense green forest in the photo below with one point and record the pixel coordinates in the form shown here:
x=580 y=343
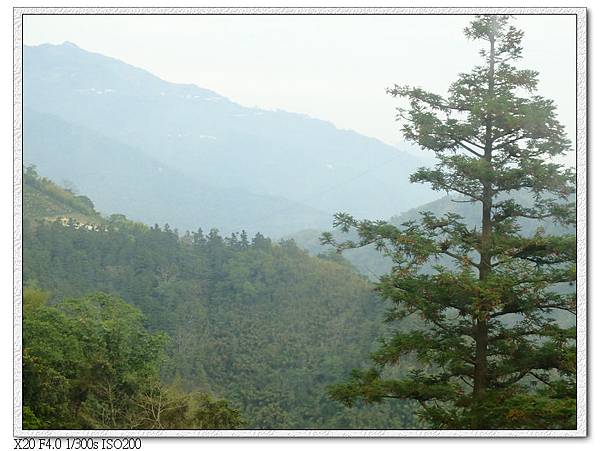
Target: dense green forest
x=90 y=363
x=261 y=324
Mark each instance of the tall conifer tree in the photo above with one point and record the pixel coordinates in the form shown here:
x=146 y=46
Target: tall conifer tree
x=491 y=353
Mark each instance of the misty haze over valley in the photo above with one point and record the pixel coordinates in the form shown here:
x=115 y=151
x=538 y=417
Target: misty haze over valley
x=161 y=153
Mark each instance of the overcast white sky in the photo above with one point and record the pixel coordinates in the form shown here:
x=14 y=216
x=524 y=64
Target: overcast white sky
x=330 y=67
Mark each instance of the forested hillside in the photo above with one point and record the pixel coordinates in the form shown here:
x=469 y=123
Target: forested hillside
x=43 y=199
x=89 y=363
x=261 y=324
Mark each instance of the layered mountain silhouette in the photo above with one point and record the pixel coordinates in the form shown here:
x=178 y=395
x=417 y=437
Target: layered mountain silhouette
x=164 y=152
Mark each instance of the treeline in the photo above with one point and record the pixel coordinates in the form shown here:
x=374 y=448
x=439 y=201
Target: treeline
x=261 y=324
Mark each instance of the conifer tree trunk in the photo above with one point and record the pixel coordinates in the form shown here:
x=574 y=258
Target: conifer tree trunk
x=485 y=263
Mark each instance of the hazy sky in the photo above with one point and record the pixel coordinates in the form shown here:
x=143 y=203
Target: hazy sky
x=330 y=67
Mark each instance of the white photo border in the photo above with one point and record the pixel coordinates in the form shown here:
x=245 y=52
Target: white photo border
x=581 y=231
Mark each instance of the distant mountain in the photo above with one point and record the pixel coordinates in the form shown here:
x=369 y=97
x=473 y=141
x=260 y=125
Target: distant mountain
x=209 y=140
x=123 y=179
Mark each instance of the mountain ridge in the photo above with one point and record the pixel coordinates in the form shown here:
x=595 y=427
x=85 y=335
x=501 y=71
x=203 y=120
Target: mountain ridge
x=144 y=189
x=217 y=142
